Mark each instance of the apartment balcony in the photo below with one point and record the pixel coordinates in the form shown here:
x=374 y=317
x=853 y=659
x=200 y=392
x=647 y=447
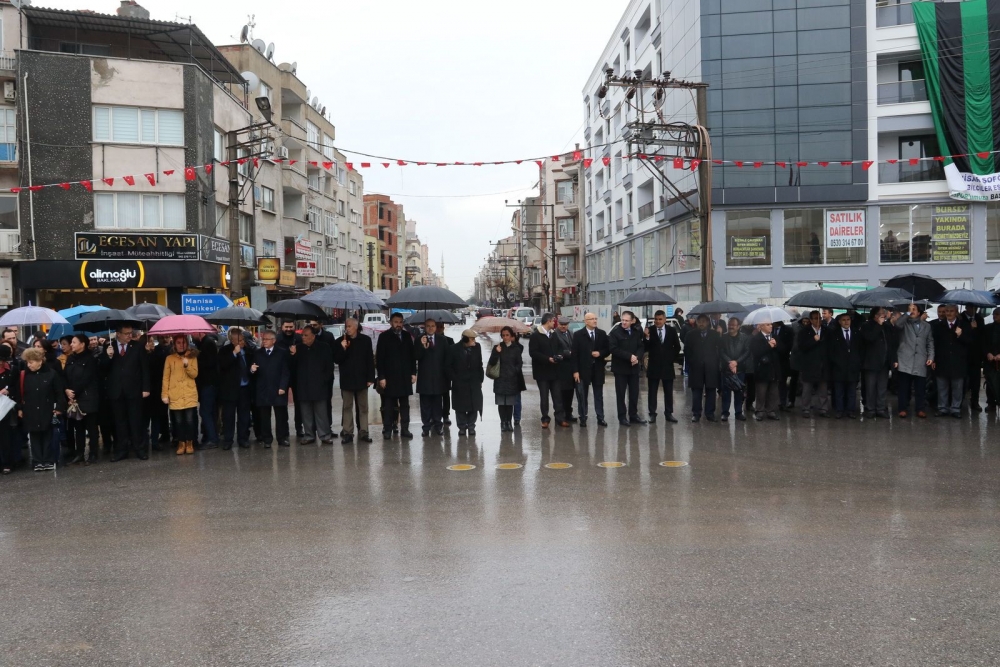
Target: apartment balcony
x=570 y=276
x=293 y=179
x=646 y=211
x=904 y=172
x=627 y=179
x=607 y=196
x=8 y=156
x=629 y=227
x=571 y=205
x=901 y=92
x=599 y=234
x=10 y=243
x=892 y=15
x=618 y=224
x=8 y=61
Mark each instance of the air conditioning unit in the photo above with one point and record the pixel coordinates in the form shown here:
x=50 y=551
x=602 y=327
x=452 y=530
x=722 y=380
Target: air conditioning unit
x=282 y=152
x=9 y=92
x=318 y=244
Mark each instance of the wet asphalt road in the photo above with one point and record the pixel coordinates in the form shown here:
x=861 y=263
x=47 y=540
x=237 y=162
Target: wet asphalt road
x=799 y=542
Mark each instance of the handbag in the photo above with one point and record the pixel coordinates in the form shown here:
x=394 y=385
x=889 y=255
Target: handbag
x=493 y=371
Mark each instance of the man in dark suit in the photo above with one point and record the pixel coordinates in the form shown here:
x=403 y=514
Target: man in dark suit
x=431 y=353
x=991 y=355
x=785 y=337
x=287 y=341
x=271 y=374
x=545 y=370
x=353 y=353
x=235 y=394
x=563 y=342
x=975 y=326
x=397 y=371
x=813 y=341
x=208 y=388
x=590 y=347
x=952 y=341
x=626 y=345
x=125 y=365
x=845 y=366
x=313 y=362
x=662 y=349
x=701 y=350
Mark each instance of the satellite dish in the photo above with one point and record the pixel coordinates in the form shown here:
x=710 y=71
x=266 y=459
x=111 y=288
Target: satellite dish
x=308 y=94
x=322 y=112
x=295 y=67
x=245 y=34
x=285 y=67
x=270 y=51
x=259 y=45
x=253 y=81
x=315 y=102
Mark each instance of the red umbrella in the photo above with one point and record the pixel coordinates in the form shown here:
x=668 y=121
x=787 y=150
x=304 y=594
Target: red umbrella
x=171 y=325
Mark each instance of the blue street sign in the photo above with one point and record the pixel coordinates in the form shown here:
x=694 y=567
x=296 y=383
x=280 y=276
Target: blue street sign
x=203 y=304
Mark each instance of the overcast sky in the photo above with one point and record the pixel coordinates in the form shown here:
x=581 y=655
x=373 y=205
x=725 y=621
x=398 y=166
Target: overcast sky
x=435 y=80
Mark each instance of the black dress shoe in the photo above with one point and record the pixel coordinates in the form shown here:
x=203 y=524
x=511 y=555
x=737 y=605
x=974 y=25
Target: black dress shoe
x=652 y=418
x=601 y=422
x=347 y=439
x=440 y=430
x=695 y=419
x=386 y=435
x=115 y=458
x=425 y=432
x=244 y=445
x=446 y=421
x=624 y=422
x=364 y=437
x=405 y=433
x=267 y=445
x=637 y=420
x=207 y=445
x=284 y=443
x=670 y=418
x=142 y=457
x=583 y=423
x=228 y=445
x=710 y=418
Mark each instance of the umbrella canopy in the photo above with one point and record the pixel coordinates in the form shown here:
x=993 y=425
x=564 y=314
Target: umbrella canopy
x=72 y=314
x=345 y=296
x=172 y=325
x=425 y=297
x=717 y=306
x=297 y=309
x=648 y=297
x=768 y=315
x=28 y=316
x=917 y=284
x=109 y=318
x=820 y=298
x=969 y=297
x=495 y=324
x=879 y=297
x=439 y=316
x=237 y=316
x=149 y=312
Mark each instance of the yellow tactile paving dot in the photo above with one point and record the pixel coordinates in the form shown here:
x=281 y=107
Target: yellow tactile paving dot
x=461 y=467
x=610 y=464
x=673 y=464
x=558 y=466
x=509 y=466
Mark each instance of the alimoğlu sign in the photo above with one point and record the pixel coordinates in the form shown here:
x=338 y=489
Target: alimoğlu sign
x=950 y=233
x=112 y=275
x=748 y=247
x=96 y=245
x=268 y=270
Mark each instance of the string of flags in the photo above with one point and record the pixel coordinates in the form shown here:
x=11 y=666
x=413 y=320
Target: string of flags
x=190 y=173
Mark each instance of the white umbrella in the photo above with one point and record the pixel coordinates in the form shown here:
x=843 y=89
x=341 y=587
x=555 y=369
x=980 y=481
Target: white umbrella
x=28 y=316
x=768 y=315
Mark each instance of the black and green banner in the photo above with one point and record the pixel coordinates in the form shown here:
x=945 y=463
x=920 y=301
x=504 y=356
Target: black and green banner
x=960 y=44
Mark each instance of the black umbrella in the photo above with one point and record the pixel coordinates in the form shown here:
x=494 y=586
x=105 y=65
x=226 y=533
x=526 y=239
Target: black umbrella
x=917 y=284
x=149 y=313
x=425 y=297
x=296 y=309
x=112 y=318
x=345 y=296
x=879 y=297
x=439 y=316
x=968 y=297
x=237 y=316
x=718 y=306
x=647 y=297
x=820 y=298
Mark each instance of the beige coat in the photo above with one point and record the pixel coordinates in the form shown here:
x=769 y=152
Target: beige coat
x=178 y=382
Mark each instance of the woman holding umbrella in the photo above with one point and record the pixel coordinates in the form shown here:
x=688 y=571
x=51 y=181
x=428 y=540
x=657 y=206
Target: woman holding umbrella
x=508 y=387
x=179 y=392
x=83 y=391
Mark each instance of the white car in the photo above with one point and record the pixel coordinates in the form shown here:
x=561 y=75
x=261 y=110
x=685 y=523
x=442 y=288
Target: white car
x=375 y=318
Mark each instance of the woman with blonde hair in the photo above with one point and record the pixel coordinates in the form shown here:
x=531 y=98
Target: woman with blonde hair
x=180 y=394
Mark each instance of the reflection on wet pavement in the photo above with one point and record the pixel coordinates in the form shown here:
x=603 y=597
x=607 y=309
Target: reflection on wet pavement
x=793 y=542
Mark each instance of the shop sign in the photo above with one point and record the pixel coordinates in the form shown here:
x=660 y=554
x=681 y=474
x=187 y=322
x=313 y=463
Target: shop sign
x=286 y=278
x=203 y=304
x=97 y=245
x=215 y=250
x=748 y=247
x=303 y=249
x=243 y=301
x=845 y=229
x=950 y=233
x=305 y=269
x=268 y=270
x=96 y=274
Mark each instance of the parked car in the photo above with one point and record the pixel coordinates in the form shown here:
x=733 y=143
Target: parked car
x=576 y=326
x=523 y=314
x=336 y=329
x=375 y=318
x=484 y=312
x=497 y=312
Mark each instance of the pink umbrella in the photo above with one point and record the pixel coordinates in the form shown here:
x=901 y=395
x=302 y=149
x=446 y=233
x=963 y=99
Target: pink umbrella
x=172 y=325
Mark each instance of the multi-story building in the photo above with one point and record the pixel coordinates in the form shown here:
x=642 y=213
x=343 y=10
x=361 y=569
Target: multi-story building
x=414 y=269
x=530 y=236
x=111 y=97
x=10 y=231
x=828 y=81
x=383 y=219
x=560 y=193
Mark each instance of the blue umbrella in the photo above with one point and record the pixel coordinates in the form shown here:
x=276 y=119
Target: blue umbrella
x=74 y=313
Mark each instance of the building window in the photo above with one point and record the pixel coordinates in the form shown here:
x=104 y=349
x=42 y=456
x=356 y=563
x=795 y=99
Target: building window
x=246 y=228
x=8 y=134
x=992 y=231
x=268 y=248
x=313 y=217
x=352 y=187
x=649 y=256
x=342 y=240
x=818 y=236
x=565 y=192
x=926 y=233
x=312 y=135
x=267 y=198
x=8 y=214
x=687 y=241
x=125 y=210
x=329 y=224
x=327 y=146
x=219 y=148
x=566 y=265
x=342 y=208
x=566 y=229
x=131 y=125
x=666 y=252
x=331 y=266
x=748 y=238
x=312 y=180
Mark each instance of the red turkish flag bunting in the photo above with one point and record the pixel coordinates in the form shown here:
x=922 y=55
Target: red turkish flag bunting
x=129 y=179
x=189 y=173
x=35 y=188
x=939 y=158
x=846 y=163
x=313 y=163
x=477 y=164
x=225 y=163
x=781 y=164
x=15 y=190
x=88 y=185
x=577 y=155
x=587 y=162
x=64 y=186
x=719 y=162
x=169 y=172
x=328 y=165
x=982 y=155
x=108 y=181
x=695 y=163
x=892 y=161
x=758 y=165
x=867 y=164
x=678 y=163
x=658 y=158
x=738 y=163
x=365 y=165
x=256 y=162
x=151 y=178
x=914 y=161
x=421 y=164
x=606 y=161
x=350 y=166
x=555 y=158
x=440 y=164
x=458 y=163
x=385 y=164
x=642 y=156
x=401 y=163
x=291 y=162
x=518 y=161
x=801 y=164
x=208 y=168
x=823 y=164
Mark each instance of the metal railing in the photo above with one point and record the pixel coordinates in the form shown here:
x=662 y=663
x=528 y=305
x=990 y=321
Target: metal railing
x=618 y=225
x=569 y=238
x=899 y=92
x=646 y=211
x=891 y=15
x=8 y=152
x=10 y=242
x=8 y=60
x=904 y=172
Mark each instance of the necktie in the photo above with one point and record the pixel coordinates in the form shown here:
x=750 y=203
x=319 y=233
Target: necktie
x=847 y=335
x=432 y=341
x=269 y=352
x=593 y=339
x=661 y=335
x=121 y=349
x=703 y=334
x=767 y=337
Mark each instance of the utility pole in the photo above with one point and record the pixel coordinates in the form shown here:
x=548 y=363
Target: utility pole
x=705 y=197
x=371 y=266
x=235 y=274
